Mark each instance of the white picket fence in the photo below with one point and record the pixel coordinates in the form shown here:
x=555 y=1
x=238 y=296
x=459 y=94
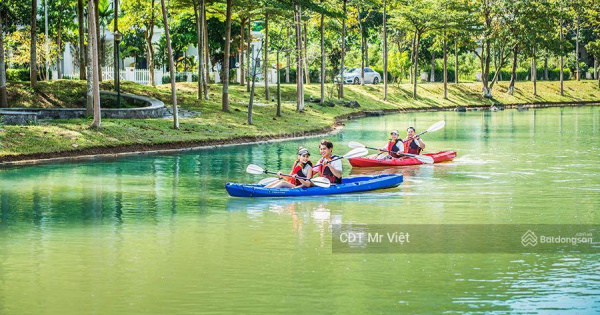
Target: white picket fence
x=142 y=76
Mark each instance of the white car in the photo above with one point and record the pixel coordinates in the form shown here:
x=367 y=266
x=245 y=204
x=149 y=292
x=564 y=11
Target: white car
x=352 y=76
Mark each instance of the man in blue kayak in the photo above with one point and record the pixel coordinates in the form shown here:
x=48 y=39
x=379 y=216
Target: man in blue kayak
x=329 y=166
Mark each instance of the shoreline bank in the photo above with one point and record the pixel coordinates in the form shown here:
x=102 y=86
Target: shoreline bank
x=116 y=152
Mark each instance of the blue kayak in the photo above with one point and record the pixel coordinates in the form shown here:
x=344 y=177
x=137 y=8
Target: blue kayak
x=348 y=185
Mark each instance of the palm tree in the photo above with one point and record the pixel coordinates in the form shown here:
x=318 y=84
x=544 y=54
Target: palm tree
x=171 y=65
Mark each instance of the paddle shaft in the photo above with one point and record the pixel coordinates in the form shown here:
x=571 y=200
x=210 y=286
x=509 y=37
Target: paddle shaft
x=337 y=158
x=396 y=152
x=284 y=175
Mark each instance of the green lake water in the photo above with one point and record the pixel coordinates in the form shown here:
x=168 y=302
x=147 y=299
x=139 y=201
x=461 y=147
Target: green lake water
x=159 y=235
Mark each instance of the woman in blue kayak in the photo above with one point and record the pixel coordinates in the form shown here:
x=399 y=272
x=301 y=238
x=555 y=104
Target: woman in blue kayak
x=329 y=166
x=302 y=168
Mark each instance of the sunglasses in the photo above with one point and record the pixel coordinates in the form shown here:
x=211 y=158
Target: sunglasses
x=393 y=133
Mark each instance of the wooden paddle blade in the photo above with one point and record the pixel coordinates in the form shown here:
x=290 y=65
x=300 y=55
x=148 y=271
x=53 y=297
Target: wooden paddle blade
x=354 y=145
x=425 y=159
x=255 y=169
x=356 y=153
x=321 y=182
x=267 y=181
x=437 y=126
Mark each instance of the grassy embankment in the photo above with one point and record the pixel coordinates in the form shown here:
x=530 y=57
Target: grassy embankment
x=72 y=136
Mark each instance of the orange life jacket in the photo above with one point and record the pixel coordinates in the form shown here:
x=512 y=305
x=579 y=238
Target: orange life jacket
x=412 y=147
x=392 y=147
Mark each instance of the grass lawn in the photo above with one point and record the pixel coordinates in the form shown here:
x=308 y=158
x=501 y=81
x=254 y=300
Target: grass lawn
x=58 y=136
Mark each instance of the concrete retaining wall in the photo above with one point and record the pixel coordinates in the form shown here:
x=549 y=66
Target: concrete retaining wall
x=18 y=118
x=154 y=109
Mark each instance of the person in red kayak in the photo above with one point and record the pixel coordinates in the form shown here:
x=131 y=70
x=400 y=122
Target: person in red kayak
x=302 y=168
x=412 y=143
x=392 y=148
x=328 y=168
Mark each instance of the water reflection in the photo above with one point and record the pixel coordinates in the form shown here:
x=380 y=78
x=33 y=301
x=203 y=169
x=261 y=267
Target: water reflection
x=110 y=236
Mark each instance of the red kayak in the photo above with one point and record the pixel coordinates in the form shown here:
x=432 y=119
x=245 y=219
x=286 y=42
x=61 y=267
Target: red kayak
x=438 y=157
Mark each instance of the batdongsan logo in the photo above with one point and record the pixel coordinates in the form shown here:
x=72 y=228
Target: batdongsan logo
x=529 y=239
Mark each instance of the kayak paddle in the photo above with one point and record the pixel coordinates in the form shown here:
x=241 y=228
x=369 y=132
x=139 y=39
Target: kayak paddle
x=435 y=127
x=318 y=181
x=267 y=181
x=423 y=158
x=356 y=152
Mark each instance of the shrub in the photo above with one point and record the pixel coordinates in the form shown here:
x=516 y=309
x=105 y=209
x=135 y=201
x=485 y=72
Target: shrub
x=20 y=74
x=166 y=79
x=439 y=73
x=292 y=75
x=180 y=77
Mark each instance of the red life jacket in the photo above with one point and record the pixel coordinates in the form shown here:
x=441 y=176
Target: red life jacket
x=326 y=172
x=392 y=147
x=298 y=169
x=412 y=147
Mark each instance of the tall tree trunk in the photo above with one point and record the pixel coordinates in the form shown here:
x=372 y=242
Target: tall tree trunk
x=366 y=51
x=288 y=60
x=99 y=53
x=299 y=71
x=322 y=29
x=562 y=60
x=250 y=57
x=92 y=25
x=595 y=67
x=242 y=31
x=266 y=59
x=362 y=48
x=416 y=64
x=3 y=95
x=412 y=58
x=89 y=105
x=82 y=49
x=305 y=55
x=597 y=74
x=60 y=50
x=149 y=48
x=116 y=47
x=513 y=75
x=33 y=53
x=204 y=54
x=445 y=68
x=278 y=114
x=534 y=74
x=577 y=49
x=172 y=64
x=200 y=45
x=485 y=77
x=456 y=61
x=546 y=68
x=251 y=102
x=385 y=54
x=207 y=62
x=432 y=79
x=498 y=64
x=225 y=98
x=341 y=89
